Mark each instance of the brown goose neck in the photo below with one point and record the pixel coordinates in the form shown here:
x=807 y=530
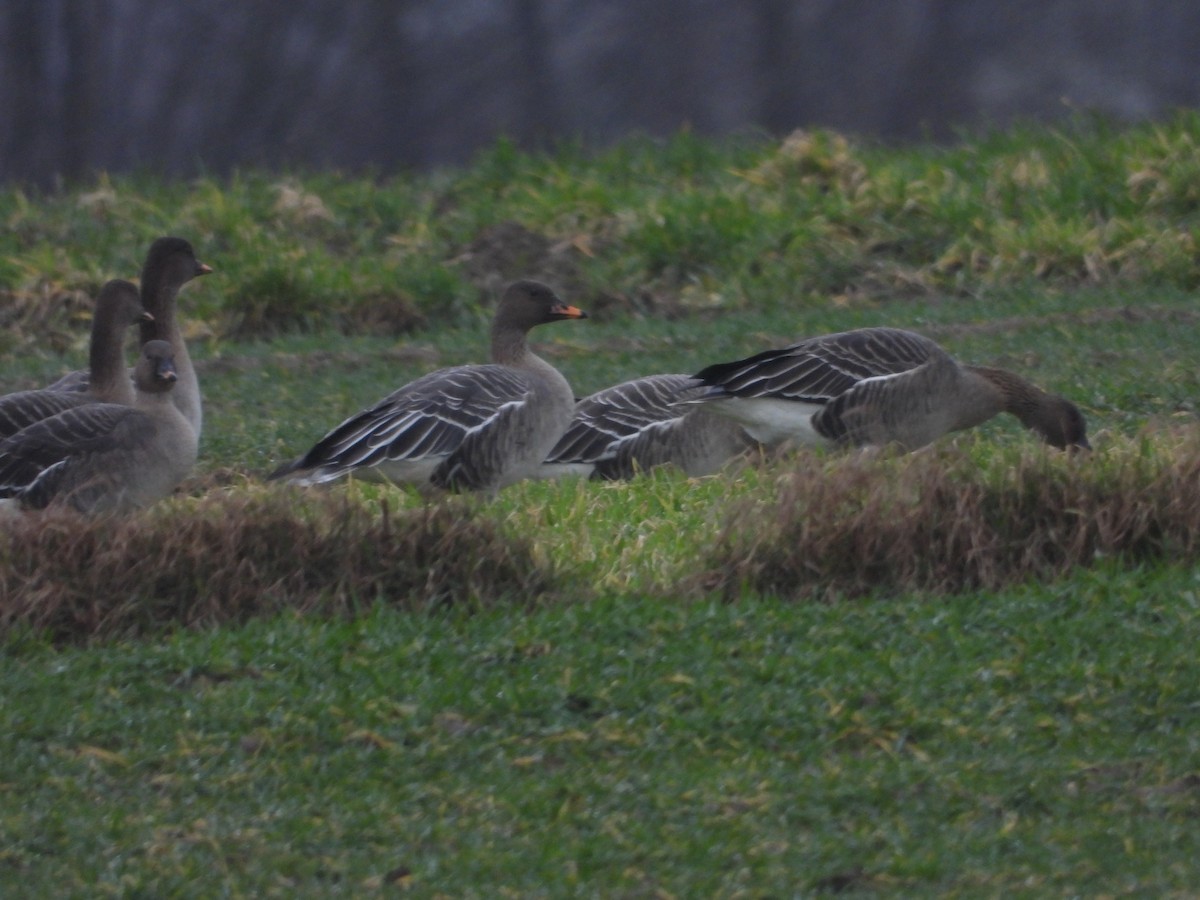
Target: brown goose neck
x=158 y=298
x=510 y=345
x=117 y=308
x=1016 y=394
x=105 y=358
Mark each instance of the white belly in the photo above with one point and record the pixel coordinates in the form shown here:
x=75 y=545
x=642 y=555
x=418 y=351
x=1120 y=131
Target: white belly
x=564 y=470
x=770 y=421
x=400 y=471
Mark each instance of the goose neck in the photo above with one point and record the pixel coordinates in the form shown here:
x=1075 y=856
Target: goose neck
x=1015 y=394
x=158 y=298
x=510 y=346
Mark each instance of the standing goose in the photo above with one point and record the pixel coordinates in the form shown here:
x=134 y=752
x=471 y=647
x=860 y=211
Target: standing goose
x=474 y=428
x=876 y=386
x=170 y=264
x=105 y=457
x=117 y=308
x=640 y=424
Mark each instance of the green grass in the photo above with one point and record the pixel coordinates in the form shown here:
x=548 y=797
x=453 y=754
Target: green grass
x=682 y=225
x=619 y=736
x=1036 y=742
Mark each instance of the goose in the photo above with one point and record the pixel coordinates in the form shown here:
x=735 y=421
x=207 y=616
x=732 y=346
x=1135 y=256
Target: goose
x=117 y=308
x=465 y=428
x=104 y=457
x=170 y=264
x=877 y=386
x=639 y=424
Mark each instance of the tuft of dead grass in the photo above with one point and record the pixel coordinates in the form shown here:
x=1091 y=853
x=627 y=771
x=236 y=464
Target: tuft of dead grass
x=938 y=522
x=49 y=317
x=226 y=558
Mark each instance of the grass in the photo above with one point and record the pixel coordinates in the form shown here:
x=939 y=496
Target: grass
x=676 y=227
x=944 y=523
x=234 y=555
x=982 y=744
x=546 y=693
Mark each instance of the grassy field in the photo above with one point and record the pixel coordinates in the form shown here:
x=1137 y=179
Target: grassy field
x=734 y=686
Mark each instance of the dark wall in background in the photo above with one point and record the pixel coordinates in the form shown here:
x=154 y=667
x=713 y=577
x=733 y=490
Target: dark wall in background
x=207 y=85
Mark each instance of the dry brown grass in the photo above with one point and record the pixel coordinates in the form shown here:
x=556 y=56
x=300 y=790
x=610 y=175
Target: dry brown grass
x=49 y=316
x=228 y=557
x=938 y=522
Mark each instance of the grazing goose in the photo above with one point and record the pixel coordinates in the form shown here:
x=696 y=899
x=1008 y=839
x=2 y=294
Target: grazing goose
x=876 y=386
x=477 y=427
x=105 y=457
x=117 y=307
x=170 y=264
x=639 y=424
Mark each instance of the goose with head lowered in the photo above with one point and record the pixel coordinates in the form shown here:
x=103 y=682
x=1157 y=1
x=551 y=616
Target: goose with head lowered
x=640 y=424
x=117 y=308
x=170 y=264
x=878 y=386
x=465 y=428
x=104 y=457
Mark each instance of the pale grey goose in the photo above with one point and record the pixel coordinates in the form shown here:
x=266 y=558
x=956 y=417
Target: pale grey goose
x=877 y=386
x=105 y=457
x=170 y=264
x=476 y=427
x=640 y=424
x=117 y=308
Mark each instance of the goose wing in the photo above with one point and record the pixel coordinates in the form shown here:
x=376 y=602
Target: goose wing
x=76 y=382
x=633 y=411
x=24 y=408
x=821 y=368
x=909 y=408
x=431 y=416
x=487 y=452
x=42 y=459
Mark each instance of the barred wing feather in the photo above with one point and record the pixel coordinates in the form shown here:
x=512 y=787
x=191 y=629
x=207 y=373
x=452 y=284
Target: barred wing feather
x=48 y=451
x=22 y=409
x=429 y=417
x=820 y=369
x=618 y=415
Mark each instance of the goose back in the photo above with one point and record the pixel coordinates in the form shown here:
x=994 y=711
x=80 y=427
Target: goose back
x=640 y=424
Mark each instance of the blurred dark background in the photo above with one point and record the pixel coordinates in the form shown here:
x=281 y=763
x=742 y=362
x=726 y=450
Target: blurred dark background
x=209 y=85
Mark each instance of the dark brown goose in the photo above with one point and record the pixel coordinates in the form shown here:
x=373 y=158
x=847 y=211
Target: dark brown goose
x=104 y=457
x=640 y=424
x=117 y=308
x=170 y=264
x=470 y=428
x=877 y=386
